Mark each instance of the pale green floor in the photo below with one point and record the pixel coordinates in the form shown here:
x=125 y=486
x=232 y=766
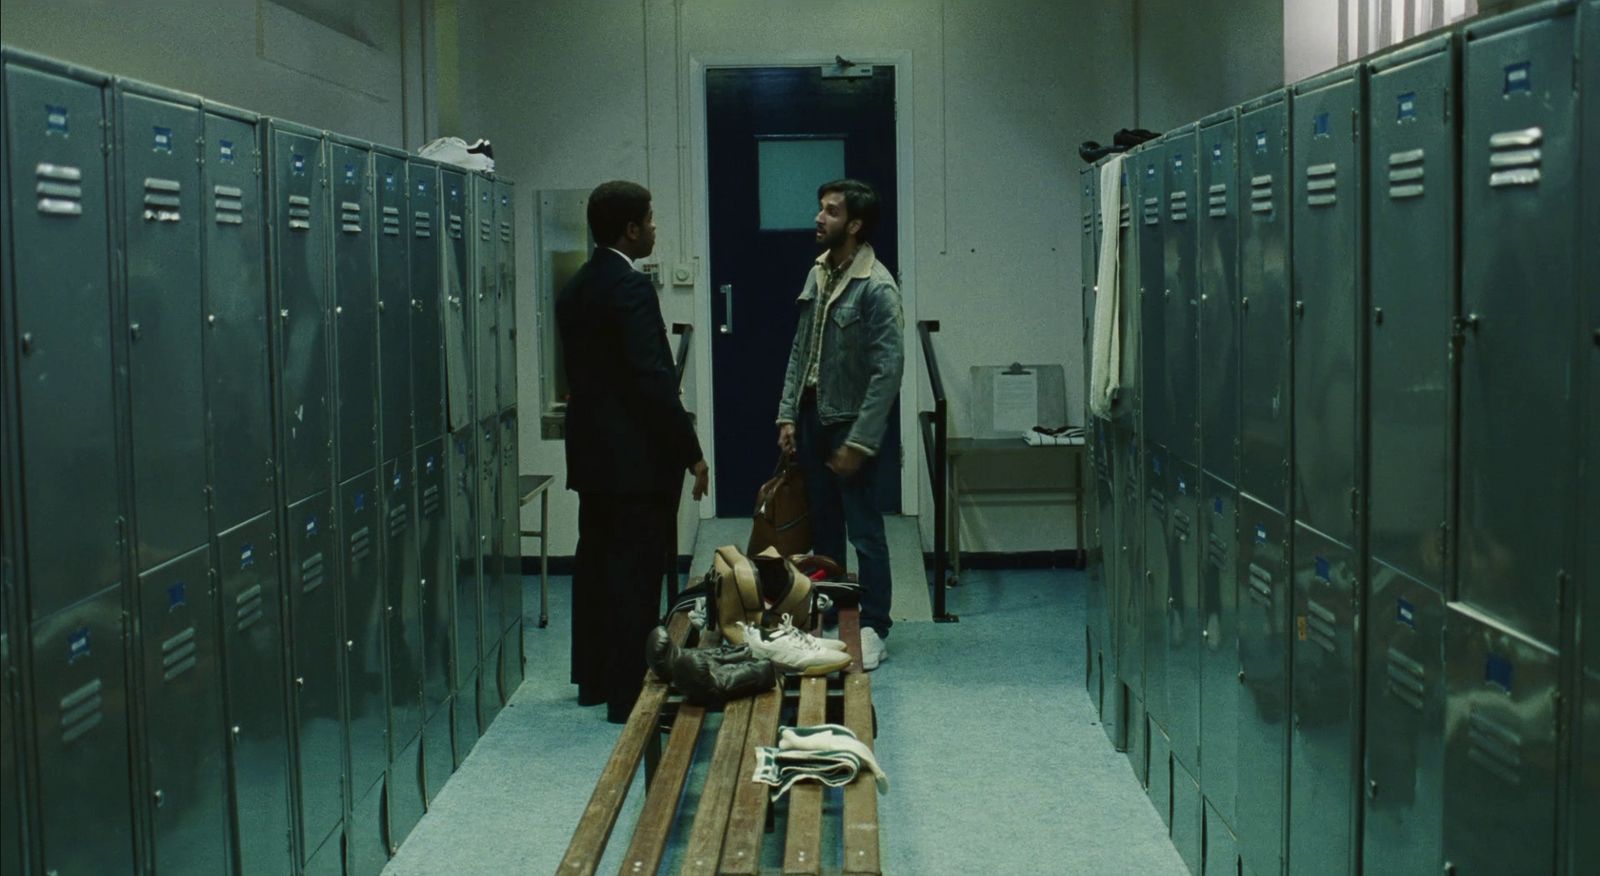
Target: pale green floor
x=997 y=763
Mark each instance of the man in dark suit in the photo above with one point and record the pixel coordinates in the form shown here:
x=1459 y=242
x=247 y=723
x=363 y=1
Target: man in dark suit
x=629 y=443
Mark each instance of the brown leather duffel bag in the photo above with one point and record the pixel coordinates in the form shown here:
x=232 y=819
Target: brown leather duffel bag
x=781 y=515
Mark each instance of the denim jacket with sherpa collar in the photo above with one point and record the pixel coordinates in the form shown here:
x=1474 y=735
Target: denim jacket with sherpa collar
x=863 y=351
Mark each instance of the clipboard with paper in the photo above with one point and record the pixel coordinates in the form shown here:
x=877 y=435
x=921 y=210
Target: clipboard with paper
x=1008 y=401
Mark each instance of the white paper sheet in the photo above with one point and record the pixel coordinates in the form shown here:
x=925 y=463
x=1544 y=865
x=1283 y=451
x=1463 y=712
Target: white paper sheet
x=1016 y=401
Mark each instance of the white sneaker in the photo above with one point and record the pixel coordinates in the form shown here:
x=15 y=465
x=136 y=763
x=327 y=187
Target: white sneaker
x=786 y=627
x=873 y=650
x=793 y=651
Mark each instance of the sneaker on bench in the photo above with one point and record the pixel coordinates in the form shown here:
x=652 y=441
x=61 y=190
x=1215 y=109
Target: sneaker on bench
x=793 y=651
x=786 y=627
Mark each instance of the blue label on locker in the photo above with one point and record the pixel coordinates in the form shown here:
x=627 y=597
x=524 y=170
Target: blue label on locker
x=454 y=193
x=1183 y=487
x=485 y=198
x=1519 y=78
x=1497 y=671
x=1324 y=571
x=55 y=119
x=298 y=165
x=247 y=556
x=429 y=465
x=177 y=596
x=1261 y=533
x=1216 y=153
x=1261 y=142
x=1177 y=162
x=1319 y=125
x=1150 y=171
x=311 y=525
x=361 y=501
x=1406 y=613
x=1407 y=106
x=225 y=151
x=349 y=173
x=504 y=200
x=77 y=645
x=388 y=181
x=163 y=137
x=398 y=480
x=1155 y=463
x=422 y=187
x=1216 y=506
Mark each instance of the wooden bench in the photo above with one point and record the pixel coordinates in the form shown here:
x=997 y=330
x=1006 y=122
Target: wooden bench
x=729 y=825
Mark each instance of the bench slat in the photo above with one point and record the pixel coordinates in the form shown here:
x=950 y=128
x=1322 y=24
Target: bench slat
x=661 y=802
x=802 y=848
x=600 y=815
x=747 y=823
x=861 y=795
x=711 y=819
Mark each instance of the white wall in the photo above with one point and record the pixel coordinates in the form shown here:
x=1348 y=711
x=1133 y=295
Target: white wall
x=1000 y=94
x=351 y=66
x=1196 y=58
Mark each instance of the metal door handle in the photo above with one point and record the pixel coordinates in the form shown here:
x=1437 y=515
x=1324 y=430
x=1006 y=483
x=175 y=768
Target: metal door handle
x=727 y=309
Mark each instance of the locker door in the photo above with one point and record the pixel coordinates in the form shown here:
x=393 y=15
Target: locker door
x=237 y=384
x=490 y=527
x=505 y=216
x=1264 y=603
x=425 y=277
x=510 y=523
x=1112 y=717
x=1518 y=413
x=1219 y=643
x=1128 y=399
x=183 y=715
x=456 y=292
x=403 y=597
x=394 y=309
x=1157 y=578
x=1218 y=279
x=1177 y=291
x=1327 y=299
x=1183 y=615
x=253 y=638
x=1585 y=852
x=466 y=606
x=364 y=660
x=62 y=286
x=434 y=575
x=1156 y=404
x=298 y=169
x=486 y=297
x=13 y=850
x=1130 y=568
x=80 y=726
x=159 y=137
x=355 y=309
x=313 y=610
x=1264 y=383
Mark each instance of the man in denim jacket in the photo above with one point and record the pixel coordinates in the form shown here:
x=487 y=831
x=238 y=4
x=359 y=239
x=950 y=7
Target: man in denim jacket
x=844 y=374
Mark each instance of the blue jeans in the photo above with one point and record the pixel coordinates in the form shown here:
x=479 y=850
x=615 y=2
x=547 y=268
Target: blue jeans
x=838 y=504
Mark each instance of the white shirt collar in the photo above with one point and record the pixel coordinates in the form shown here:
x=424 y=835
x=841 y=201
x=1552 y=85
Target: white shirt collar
x=622 y=254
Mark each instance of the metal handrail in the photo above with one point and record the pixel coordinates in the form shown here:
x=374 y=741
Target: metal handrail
x=936 y=446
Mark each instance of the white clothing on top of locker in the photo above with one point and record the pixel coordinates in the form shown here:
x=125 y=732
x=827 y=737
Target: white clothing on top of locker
x=478 y=155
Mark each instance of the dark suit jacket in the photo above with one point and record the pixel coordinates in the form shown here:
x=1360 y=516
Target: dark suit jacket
x=627 y=431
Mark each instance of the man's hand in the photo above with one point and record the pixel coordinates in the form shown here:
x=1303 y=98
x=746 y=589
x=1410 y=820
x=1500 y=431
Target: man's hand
x=786 y=439
x=702 y=479
x=846 y=461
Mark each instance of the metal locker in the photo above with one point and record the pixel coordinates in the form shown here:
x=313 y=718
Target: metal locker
x=1217 y=277
x=394 y=306
x=438 y=759
x=315 y=648
x=463 y=476
x=402 y=598
x=1264 y=382
x=13 y=799
x=505 y=217
x=1183 y=630
x=355 y=304
x=80 y=724
x=435 y=580
x=1138 y=752
x=1412 y=258
x=253 y=634
x=426 y=277
x=1584 y=855
x=1126 y=406
x=363 y=651
x=183 y=716
x=1518 y=411
x=1219 y=643
x=1404 y=719
x=13 y=802
x=510 y=522
x=1094 y=596
x=489 y=687
x=298 y=194
x=159 y=135
x=456 y=296
x=1188 y=817
x=1157 y=581
x=1159 y=785
x=405 y=798
x=1113 y=718
x=1263 y=728
x=327 y=859
x=1130 y=563
x=238 y=387
x=1178 y=290
x=1329 y=301
x=1088 y=255
x=61 y=282
x=486 y=297
x=1221 y=847
x=1500 y=750
x=366 y=850
x=490 y=532
x=511 y=662
x=1155 y=405
x=464 y=718
x=1325 y=683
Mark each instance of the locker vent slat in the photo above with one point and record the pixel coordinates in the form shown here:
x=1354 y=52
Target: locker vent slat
x=361 y=544
x=81 y=711
x=1514 y=157
x=178 y=655
x=312 y=573
x=59 y=189
x=1406 y=679
x=1496 y=748
x=248 y=607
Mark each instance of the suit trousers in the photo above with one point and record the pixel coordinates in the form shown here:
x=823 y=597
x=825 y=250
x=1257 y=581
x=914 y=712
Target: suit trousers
x=623 y=542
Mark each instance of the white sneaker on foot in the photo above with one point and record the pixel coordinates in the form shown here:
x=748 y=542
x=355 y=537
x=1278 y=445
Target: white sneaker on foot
x=873 y=650
x=793 y=651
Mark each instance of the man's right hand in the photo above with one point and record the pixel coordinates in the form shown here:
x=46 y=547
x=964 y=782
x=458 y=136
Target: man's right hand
x=786 y=439
x=702 y=479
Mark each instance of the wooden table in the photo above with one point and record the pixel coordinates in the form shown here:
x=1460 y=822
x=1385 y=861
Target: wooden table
x=964 y=447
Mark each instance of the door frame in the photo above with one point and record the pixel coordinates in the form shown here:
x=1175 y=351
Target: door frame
x=911 y=380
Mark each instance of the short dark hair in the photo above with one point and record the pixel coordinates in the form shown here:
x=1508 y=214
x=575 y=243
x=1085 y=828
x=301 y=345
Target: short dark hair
x=612 y=205
x=860 y=202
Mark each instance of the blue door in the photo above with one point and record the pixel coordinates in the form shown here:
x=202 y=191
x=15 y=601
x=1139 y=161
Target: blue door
x=774 y=134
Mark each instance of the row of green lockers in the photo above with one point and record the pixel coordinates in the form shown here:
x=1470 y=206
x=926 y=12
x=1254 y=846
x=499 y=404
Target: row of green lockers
x=1345 y=600
x=262 y=573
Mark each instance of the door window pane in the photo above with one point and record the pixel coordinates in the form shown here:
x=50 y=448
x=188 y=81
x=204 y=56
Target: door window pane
x=790 y=171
